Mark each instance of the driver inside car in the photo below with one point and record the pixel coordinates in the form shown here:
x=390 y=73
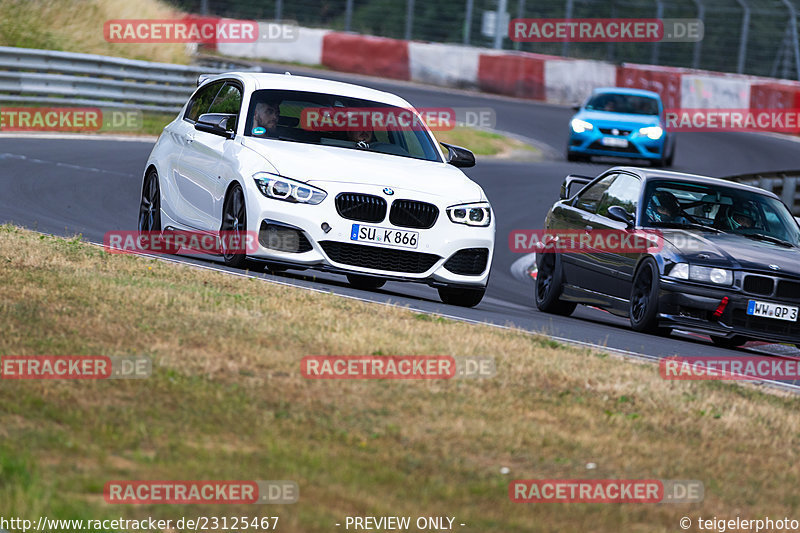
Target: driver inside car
x=664 y=207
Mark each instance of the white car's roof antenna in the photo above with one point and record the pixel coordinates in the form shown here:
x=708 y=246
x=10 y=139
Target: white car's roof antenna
x=287 y=73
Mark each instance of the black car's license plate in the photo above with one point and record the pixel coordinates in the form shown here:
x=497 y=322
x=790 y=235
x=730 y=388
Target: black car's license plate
x=772 y=310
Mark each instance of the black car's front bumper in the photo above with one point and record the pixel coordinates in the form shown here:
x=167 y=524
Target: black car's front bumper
x=692 y=306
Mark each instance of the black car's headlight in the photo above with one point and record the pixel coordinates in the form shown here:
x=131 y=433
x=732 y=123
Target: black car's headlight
x=478 y=214
x=717 y=276
x=288 y=190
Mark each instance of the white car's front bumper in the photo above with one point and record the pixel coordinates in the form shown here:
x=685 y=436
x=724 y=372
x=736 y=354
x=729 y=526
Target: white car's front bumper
x=334 y=250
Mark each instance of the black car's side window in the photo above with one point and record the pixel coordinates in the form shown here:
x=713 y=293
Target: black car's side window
x=590 y=198
x=202 y=101
x=624 y=192
x=228 y=101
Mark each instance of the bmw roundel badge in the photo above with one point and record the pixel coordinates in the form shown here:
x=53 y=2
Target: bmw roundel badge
x=387 y=191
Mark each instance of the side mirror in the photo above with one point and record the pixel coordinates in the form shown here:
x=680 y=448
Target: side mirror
x=576 y=107
x=572 y=184
x=619 y=214
x=459 y=157
x=217 y=123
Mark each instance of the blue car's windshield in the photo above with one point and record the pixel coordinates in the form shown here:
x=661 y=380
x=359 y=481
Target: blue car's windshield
x=623 y=103
x=721 y=209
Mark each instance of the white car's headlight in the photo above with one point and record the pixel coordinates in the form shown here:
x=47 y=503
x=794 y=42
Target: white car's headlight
x=579 y=126
x=479 y=214
x=288 y=190
x=717 y=276
x=652 y=132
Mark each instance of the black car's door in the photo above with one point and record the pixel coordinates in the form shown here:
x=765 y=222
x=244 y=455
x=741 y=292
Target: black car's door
x=614 y=264
x=579 y=217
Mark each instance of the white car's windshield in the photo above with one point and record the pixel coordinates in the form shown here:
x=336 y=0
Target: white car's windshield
x=331 y=120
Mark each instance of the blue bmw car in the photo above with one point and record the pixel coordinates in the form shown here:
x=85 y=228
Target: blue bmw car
x=621 y=122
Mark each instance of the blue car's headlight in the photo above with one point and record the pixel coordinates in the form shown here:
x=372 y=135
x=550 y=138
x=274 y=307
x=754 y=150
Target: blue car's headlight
x=652 y=132
x=288 y=190
x=579 y=126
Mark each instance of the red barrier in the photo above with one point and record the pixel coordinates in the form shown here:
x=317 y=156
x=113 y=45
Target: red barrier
x=364 y=54
x=666 y=81
x=514 y=75
x=775 y=95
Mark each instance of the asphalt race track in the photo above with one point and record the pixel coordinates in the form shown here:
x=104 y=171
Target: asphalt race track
x=74 y=185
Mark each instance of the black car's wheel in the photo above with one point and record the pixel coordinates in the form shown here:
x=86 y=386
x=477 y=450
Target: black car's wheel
x=150 y=205
x=732 y=342
x=366 y=283
x=234 y=227
x=644 y=298
x=548 y=286
x=461 y=297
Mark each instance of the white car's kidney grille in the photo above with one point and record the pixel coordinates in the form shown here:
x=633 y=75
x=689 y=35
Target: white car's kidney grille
x=361 y=207
x=413 y=214
x=378 y=258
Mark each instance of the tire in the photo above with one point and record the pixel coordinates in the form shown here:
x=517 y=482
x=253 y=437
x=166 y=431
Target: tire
x=733 y=342
x=576 y=157
x=461 y=297
x=367 y=283
x=150 y=203
x=150 y=214
x=548 y=287
x=234 y=220
x=643 y=312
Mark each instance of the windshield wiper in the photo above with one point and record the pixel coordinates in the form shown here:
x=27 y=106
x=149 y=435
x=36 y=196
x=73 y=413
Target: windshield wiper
x=768 y=238
x=685 y=225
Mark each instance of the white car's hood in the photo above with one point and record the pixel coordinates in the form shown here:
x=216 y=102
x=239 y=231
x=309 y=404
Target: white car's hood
x=320 y=164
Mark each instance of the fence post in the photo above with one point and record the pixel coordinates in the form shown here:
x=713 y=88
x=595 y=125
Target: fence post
x=743 y=36
x=468 y=22
x=409 y=18
x=701 y=16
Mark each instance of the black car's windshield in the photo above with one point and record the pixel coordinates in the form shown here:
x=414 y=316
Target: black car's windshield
x=720 y=209
x=331 y=120
x=623 y=103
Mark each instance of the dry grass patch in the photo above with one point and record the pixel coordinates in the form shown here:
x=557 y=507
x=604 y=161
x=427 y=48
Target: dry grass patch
x=227 y=401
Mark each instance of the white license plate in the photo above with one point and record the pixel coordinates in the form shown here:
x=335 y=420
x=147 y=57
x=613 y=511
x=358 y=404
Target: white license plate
x=771 y=310
x=613 y=141
x=387 y=236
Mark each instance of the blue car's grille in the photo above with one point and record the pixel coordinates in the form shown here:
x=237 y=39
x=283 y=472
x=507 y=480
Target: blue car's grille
x=619 y=131
x=630 y=149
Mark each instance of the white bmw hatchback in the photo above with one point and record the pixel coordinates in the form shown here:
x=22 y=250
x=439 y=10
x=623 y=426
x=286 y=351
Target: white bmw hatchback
x=376 y=205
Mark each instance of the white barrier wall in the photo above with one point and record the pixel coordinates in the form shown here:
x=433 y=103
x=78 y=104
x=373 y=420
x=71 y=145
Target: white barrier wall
x=307 y=49
x=716 y=92
x=444 y=64
x=571 y=81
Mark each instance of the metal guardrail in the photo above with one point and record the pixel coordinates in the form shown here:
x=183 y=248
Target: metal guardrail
x=783 y=183
x=71 y=79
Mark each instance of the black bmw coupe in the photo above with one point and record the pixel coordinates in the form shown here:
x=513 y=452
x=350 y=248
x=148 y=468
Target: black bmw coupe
x=726 y=262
